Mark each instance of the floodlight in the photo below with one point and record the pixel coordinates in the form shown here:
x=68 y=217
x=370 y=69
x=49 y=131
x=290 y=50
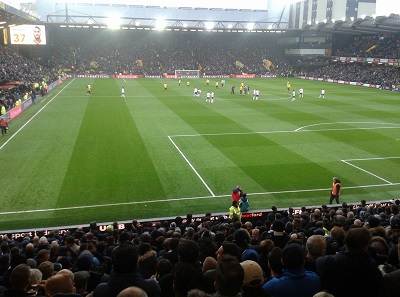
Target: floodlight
x=113 y=22
x=209 y=25
x=230 y=26
x=185 y=25
x=250 y=26
x=160 y=24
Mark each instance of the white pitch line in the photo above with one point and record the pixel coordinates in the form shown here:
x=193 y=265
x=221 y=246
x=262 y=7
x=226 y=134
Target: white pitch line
x=186 y=198
x=366 y=171
x=23 y=126
x=368 y=159
x=282 y=131
x=191 y=166
x=332 y=123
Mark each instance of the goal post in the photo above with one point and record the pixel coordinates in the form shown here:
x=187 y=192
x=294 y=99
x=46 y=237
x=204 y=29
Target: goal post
x=187 y=73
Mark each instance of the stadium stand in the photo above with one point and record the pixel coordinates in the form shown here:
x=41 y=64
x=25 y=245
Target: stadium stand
x=141 y=253
x=168 y=257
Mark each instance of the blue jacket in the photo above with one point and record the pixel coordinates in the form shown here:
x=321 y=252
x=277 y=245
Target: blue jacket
x=244 y=205
x=298 y=283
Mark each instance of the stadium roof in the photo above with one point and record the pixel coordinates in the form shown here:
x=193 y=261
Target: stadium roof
x=12 y=16
x=364 y=26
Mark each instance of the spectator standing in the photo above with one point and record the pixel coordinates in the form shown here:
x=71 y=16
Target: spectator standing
x=3 y=125
x=353 y=272
x=234 y=211
x=335 y=190
x=244 y=203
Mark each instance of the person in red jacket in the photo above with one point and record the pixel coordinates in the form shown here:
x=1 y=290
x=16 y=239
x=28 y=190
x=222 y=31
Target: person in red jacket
x=236 y=194
x=3 y=125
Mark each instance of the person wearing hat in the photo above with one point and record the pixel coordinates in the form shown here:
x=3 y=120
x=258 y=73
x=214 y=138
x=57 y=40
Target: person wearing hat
x=295 y=280
x=253 y=279
x=278 y=236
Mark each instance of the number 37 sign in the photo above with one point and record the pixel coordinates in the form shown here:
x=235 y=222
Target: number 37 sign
x=28 y=34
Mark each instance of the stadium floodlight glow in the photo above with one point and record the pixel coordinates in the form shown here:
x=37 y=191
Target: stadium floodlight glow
x=113 y=22
x=352 y=19
x=209 y=25
x=343 y=19
x=160 y=24
x=230 y=26
x=185 y=25
x=137 y=23
x=333 y=20
x=363 y=16
x=250 y=26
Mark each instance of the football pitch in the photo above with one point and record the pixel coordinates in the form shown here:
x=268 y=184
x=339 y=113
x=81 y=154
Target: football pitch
x=74 y=158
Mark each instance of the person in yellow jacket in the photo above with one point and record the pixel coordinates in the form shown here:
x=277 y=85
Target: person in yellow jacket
x=3 y=110
x=234 y=210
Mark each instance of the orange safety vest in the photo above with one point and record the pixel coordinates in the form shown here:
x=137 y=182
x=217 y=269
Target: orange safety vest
x=334 y=189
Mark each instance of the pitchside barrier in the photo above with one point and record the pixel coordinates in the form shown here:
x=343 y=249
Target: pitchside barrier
x=17 y=110
x=252 y=216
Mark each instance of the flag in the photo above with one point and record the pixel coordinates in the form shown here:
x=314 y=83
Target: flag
x=371 y=48
x=268 y=64
x=94 y=64
x=139 y=63
x=239 y=64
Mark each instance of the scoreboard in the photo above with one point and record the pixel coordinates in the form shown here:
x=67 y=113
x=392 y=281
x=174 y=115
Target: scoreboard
x=28 y=34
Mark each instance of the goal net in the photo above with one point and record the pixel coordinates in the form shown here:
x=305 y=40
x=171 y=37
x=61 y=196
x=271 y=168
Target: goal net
x=187 y=73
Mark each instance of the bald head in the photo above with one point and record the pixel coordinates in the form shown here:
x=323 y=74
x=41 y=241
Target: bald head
x=132 y=292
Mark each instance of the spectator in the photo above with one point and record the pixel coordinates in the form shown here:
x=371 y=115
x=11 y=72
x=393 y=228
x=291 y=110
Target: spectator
x=125 y=274
x=229 y=278
x=19 y=281
x=253 y=279
x=132 y=292
x=315 y=247
x=348 y=265
x=295 y=280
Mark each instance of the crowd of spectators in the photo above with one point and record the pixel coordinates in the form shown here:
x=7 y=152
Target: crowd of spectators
x=20 y=76
x=387 y=47
x=341 y=251
x=388 y=77
x=156 y=53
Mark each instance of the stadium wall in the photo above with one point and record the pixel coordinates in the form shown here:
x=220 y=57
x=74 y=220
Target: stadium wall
x=252 y=216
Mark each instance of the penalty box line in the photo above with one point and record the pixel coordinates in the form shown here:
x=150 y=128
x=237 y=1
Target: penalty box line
x=191 y=166
x=348 y=162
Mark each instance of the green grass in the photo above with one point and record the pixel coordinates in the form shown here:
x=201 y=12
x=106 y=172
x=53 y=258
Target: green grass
x=163 y=153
